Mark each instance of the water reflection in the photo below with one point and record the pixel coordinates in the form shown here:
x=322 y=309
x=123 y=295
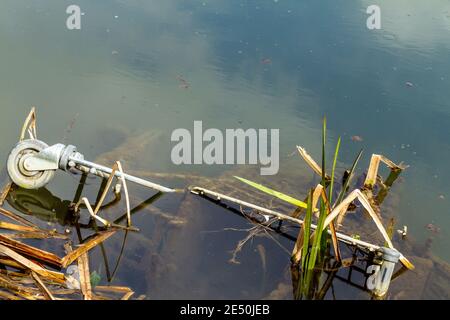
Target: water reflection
x=43 y=205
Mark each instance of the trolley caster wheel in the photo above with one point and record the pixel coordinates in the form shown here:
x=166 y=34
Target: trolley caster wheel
x=16 y=169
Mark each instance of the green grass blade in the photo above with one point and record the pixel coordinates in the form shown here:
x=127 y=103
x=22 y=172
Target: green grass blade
x=336 y=152
x=315 y=248
x=274 y=193
x=307 y=230
x=303 y=286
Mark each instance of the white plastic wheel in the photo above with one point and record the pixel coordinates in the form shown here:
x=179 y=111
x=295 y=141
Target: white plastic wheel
x=16 y=170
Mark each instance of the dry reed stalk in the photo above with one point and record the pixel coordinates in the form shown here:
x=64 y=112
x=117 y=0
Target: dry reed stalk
x=309 y=160
x=106 y=189
x=127 y=296
x=7 y=283
x=39 y=234
x=38 y=254
x=92 y=212
x=357 y=194
x=374 y=165
x=56 y=276
x=5 y=192
x=297 y=251
x=117 y=289
x=333 y=233
x=125 y=189
x=8 y=296
x=85 y=247
x=17 y=218
x=85 y=280
x=29 y=125
x=15 y=227
x=42 y=286
x=372 y=172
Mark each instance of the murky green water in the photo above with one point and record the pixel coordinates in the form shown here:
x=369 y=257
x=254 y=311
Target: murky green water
x=251 y=64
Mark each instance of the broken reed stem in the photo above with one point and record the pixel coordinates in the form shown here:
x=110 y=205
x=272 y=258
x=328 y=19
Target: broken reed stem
x=125 y=189
x=85 y=280
x=116 y=289
x=127 y=295
x=86 y=246
x=106 y=189
x=5 y=192
x=357 y=194
x=105 y=222
x=334 y=238
x=18 y=289
x=8 y=296
x=35 y=253
x=39 y=234
x=16 y=227
x=42 y=286
x=29 y=125
x=17 y=218
x=386 y=186
x=310 y=161
x=297 y=251
x=56 y=276
x=92 y=212
x=372 y=172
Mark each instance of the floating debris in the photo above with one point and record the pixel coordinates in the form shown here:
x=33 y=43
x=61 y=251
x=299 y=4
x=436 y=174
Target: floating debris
x=356 y=138
x=183 y=84
x=433 y=228
x=403 y=232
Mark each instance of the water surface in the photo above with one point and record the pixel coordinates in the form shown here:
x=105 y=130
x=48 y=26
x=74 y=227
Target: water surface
x=252 y=64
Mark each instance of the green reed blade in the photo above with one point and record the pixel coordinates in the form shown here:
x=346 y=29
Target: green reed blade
x=274 y=193
x=336 y=152
x=307 y=230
